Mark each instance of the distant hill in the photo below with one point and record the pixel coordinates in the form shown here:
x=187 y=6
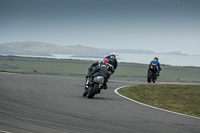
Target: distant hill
x=174 y=53
x=40 y=48
x=46 y=49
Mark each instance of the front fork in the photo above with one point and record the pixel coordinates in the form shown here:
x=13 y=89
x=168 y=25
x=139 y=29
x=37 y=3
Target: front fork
x=86 y=82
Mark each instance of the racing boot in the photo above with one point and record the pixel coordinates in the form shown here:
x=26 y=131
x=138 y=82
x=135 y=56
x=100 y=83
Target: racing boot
x=99 y=90
x=105 y=86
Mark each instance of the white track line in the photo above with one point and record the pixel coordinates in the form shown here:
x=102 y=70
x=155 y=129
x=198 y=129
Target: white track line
x=4 y=131
x=116 y=91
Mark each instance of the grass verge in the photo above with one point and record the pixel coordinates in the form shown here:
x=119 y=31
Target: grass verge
x=183 y=99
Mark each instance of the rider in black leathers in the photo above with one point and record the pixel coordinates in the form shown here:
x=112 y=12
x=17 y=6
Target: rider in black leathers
x=100 y=70
x=100 y=63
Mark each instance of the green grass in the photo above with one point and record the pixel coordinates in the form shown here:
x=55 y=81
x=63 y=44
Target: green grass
x=78 y=68
x=44 y=66
x=178 y=98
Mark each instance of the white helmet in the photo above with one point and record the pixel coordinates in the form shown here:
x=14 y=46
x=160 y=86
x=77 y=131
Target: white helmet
x=113 y=53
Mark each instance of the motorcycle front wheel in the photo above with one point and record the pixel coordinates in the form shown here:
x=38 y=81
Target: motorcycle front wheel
x=85 y=92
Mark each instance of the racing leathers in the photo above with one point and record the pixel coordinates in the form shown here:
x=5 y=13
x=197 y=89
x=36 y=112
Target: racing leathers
x=100 y=63
x=112 y=60
x=155 y=64
x=100 y=71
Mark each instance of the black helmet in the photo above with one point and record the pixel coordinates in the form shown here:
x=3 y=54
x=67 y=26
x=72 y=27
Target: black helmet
x=156 y=58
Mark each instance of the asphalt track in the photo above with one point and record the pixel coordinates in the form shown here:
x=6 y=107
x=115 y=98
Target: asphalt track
x=48 y=104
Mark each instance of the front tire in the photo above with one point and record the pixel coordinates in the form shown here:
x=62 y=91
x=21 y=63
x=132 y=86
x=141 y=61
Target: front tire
x=85 y=92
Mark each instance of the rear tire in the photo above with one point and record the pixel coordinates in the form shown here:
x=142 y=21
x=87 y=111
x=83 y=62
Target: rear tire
x=93 y=91
x=149 y=78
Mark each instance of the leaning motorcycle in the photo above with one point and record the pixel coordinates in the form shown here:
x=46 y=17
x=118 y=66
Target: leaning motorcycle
x=94 y=88
x=151 y=76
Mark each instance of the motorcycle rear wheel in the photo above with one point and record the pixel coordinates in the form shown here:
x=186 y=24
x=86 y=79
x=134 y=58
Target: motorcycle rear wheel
x=149 y=78
x=93 y=91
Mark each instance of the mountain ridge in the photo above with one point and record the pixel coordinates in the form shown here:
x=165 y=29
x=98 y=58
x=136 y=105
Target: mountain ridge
x=41 y=48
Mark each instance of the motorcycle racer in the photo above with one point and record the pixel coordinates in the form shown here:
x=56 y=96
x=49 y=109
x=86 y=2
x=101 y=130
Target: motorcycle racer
x=112 y=60
x=100 y=71
x=110 y=68
x=155 y=63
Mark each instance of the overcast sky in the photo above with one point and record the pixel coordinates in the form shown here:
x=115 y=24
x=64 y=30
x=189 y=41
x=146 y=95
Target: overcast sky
x=157 y=25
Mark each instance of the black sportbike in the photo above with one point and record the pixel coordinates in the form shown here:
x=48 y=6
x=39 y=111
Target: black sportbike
x=151 y=76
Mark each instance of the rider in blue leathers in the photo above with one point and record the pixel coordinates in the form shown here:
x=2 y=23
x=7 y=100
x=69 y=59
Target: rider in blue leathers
x=156 y=64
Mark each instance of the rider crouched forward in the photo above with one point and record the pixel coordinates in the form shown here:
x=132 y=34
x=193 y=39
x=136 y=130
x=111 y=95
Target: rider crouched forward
x=100 y=70
x=155 y=63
